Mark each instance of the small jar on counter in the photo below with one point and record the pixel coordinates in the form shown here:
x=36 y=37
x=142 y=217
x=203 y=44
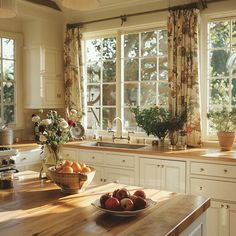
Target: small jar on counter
x=6 y=179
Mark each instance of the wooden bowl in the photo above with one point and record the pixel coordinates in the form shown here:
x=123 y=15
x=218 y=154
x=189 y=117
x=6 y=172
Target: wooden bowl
x=71 y=183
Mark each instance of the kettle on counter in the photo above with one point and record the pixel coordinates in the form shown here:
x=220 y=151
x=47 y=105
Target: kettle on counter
x=6 y=135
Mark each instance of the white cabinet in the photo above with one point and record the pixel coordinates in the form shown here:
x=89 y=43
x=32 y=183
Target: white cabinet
x=29 y=160
x=162 y=174
x=217 y=181
x=43 y=77
x=110 y=167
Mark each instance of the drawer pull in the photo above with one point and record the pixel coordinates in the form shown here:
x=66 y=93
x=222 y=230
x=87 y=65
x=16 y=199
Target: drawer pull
x=93 y=157
x=221 y=205
x=162 y=166
x=105 y=180
x=200 y=188
x=225 y=170
x=202 y=169
x=158 y=166
x=24 y=158
x=123 y=160
x=227 y=206
x=101 y=180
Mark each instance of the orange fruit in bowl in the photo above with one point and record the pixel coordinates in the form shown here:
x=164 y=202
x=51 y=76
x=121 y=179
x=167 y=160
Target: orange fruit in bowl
x=68 y=163
x=76 y=167
x=83 y=165
x=86 y=169
x=67 y=169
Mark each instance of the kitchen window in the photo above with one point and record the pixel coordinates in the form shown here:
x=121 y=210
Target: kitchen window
x=7 y=80
x=128 y=69
x=221 y=82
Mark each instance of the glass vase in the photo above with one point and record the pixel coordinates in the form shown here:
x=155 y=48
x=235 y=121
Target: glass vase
x=50 y=157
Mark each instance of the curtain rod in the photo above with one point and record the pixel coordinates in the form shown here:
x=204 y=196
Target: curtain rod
x=201 y=4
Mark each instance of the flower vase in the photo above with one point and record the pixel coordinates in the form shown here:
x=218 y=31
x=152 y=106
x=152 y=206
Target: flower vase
x=173 y=136
x=162 y=142
x=50 y=157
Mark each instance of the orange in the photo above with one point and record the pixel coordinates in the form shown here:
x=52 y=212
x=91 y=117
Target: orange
x=67 y=169
x=68 y=163
x=86 y=169
x=82 y=165
x=76 y=167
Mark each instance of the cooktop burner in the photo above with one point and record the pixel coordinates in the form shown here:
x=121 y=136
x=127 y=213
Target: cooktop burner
x=6 y=151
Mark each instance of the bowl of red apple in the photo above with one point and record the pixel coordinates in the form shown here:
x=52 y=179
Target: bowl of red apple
x=122 y=203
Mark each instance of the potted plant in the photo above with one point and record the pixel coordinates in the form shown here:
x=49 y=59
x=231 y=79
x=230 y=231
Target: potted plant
x=224 y=122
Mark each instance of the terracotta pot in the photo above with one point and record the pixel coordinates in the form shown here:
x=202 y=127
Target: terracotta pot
x=226 y=140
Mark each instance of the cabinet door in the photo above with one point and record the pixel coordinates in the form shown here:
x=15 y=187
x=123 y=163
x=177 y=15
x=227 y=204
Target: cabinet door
x=52 y=92
x=119 y=175
x=150 y=173
x=232 y=219
x=213 y=219
x=98 y=178
x=173 y=176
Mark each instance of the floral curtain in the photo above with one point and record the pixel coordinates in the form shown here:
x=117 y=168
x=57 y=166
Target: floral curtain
x=183 y=70
x=74 y=90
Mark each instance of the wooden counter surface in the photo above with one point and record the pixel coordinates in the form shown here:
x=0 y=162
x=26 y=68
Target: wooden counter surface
x=36 y=207
x=208 y=154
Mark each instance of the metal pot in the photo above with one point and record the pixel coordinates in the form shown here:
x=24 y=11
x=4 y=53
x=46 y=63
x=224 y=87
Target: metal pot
x=6 y=136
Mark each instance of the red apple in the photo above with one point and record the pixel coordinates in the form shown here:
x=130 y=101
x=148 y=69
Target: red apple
x=104 y=198
x=122 y=193
x=112 y=204
x=126 y=204
x=140 y=193
x=132 y=197
x=115 y=192
x=139 y=203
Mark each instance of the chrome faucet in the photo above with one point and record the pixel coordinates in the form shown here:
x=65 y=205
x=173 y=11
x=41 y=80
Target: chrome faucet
x=119 y=134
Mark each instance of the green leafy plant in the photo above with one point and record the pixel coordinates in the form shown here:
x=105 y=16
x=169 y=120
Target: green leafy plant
x=223 y=119
x=158 y=121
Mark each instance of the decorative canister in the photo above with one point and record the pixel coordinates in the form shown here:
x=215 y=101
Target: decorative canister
x=6 y=136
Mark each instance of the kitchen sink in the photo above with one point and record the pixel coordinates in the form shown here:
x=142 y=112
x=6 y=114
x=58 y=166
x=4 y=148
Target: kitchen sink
x=113 y=145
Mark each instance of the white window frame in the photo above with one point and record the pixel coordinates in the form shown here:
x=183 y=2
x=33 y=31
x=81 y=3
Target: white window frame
x=204 y=89
x=18 y=123
x=117 y=32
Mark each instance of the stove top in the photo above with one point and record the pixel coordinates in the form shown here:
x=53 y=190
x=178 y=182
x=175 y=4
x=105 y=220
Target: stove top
x=6 y=151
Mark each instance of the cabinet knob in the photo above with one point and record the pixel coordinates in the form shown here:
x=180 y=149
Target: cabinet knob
x=116 y=181
x=162 y=166
x=104 y=180
x=200 y=188
x=202 y=169
x=58 y=95
x=123 y=160
x=227 y=207
x=225 y=170
x=222 y=205
x=158 y=165
x=24 y=158
x=101 y=180
x=93 y=157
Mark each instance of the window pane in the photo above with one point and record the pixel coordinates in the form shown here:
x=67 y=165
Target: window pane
x=149 y=69
x=109 y=48
x=8 y=70
x=219 y=34
x=8 y=113
x=8 y=92
x=108 y=116
x=163 y=91
x=130 y=122
x=131 y=45
x=93 y=50
x=218 y=59
x=131 y=94
x=219 y=92
x=148 y=94
x=93 y=72
x=131 y=70
x=163 y=42
x=109 y=71
x=149 y=43
x=109 y=95
x=8 y=48
x=233 y=33
x=93 y=95
x=163 y=68
x=93 y=117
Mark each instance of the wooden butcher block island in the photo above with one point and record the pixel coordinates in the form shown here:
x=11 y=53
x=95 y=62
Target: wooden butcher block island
x=37 y=207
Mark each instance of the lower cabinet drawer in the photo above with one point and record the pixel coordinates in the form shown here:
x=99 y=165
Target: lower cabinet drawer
x=119 y=160
x=226 y=171
x=213 y=189
x=91 y=157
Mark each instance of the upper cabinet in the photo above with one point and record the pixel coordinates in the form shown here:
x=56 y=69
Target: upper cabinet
x=44 y=80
